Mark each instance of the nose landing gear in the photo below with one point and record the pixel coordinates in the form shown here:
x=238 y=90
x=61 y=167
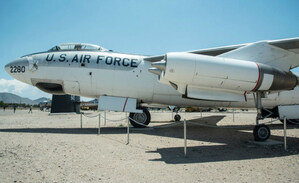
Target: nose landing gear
x=177 y=117
x=261 y=132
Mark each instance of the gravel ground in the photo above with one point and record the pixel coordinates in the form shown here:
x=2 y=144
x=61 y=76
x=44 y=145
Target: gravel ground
x=41 y=148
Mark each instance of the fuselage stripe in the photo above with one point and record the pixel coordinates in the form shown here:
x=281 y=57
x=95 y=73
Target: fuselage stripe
x=125 y=105
x=245 y=97
x=258 y=80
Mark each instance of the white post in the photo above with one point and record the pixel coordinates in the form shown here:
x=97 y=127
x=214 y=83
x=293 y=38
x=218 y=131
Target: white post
x=128 y=130
x=105 y=118
x=233 y=115
x=99 y=130
x=81 y=119
x=172 y=115
x=185 y=138
x=201 y=113
x=285 y=133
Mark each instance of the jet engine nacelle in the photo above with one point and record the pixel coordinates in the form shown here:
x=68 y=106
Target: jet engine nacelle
x=187 y=69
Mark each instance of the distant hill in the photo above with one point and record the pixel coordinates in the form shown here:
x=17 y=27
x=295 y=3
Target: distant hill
x=10 y=98
x=95 y=101
x=37 y=101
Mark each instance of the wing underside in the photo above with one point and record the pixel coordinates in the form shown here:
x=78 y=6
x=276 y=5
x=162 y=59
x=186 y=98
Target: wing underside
x=229 y=73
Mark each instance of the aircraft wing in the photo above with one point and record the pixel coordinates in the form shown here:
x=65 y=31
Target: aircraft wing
x=286 y=44
x=229 y=73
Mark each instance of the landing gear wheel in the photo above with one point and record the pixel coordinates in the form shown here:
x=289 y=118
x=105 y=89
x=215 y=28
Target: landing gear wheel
x=261 y=132
x=143 y=118
x=177 y=117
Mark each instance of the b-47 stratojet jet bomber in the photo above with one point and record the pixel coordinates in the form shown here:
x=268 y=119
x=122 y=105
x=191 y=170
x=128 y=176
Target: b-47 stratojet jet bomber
x=254 y=75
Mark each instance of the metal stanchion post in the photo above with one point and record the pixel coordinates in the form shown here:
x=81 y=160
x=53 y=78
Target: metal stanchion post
x=81 y=119
x=233 y=115
x=185 y=138
x=285 y=133
x=172 y=115
x=105 y=118
x=128 y=130
x=99 y=130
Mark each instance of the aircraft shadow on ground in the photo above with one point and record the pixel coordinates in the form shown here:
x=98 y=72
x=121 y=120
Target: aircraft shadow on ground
x=233 y=142
x=211 y=120
x=218 y=153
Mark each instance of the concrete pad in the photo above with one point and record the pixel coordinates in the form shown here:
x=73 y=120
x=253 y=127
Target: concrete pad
x=268 y=142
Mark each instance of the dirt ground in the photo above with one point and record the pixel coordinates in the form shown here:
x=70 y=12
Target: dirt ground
x=41 y=148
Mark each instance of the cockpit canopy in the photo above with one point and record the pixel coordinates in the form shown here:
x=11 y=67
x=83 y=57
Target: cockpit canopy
x=77 y=46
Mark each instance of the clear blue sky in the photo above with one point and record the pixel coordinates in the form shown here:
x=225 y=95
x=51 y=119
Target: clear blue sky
x=136 y=26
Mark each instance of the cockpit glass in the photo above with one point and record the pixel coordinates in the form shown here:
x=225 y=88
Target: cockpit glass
x=76 y=46
x=54 y=48
x=67 y=47
x=89 y=47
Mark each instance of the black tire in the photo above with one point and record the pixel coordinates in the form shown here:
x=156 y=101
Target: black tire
x=292 y=121
x=177 y=117
x=142 y=118
x=261 y=132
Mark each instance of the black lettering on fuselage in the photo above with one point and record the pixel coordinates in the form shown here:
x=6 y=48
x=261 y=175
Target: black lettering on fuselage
x=100 y=58
x=133 y=63
x=117 y=60
x=75 y=59
x=86 y=58
x=125 y=62
x=109 y=60
x=62 y=57
x=49 y=59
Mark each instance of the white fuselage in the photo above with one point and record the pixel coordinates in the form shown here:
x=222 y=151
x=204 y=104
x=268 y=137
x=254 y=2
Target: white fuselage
x=95 y=73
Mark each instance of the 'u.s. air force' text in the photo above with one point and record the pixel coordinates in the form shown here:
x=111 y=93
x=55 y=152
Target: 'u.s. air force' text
x=126 y=62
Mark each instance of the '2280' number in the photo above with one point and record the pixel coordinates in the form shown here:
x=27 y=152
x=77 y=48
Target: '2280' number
x=17 y=69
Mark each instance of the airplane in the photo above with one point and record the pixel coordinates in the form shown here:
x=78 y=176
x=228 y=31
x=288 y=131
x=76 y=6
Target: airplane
x=253 y=75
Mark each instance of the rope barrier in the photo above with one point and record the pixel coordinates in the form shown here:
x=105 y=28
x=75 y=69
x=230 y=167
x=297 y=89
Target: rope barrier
x=127 y=118
x=294 y=123
x=178 y=123
x=117 y=120
x=90 y=116
x=139 y=123
x=103 y=117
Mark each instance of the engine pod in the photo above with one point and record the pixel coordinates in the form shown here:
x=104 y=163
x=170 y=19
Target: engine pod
x=225 y=73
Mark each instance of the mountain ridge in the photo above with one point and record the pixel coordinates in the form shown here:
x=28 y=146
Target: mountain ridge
x=11 y=98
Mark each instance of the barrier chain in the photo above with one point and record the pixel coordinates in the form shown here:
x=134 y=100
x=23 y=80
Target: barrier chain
x=177 y=123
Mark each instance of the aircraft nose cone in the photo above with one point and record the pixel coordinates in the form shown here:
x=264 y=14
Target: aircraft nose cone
x=6 y=67
x=17 y=66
